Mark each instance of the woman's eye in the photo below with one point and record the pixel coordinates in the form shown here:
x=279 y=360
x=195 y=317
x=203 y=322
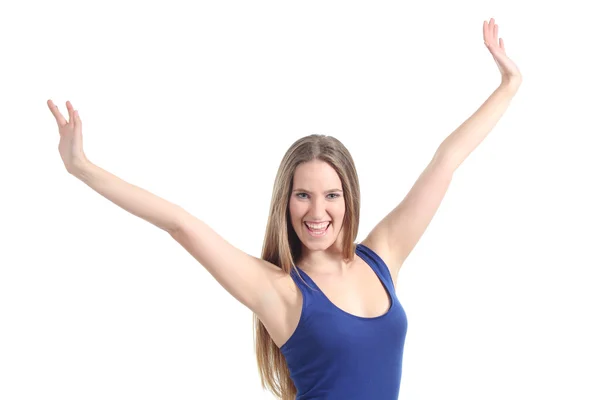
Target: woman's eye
x=335 y=195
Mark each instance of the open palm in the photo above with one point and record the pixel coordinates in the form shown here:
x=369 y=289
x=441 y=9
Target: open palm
x=509 y=70
x=70 y=145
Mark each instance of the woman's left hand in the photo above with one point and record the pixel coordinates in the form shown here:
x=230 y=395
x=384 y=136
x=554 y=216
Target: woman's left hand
x=510 y=73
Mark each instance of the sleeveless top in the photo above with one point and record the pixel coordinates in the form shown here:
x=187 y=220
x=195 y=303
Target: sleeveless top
x=334 y=355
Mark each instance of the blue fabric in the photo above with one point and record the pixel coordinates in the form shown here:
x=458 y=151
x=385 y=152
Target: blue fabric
x=336 y=355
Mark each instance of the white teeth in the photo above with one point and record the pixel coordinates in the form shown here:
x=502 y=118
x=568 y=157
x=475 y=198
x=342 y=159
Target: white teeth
x=317 y=232
x=318 y=227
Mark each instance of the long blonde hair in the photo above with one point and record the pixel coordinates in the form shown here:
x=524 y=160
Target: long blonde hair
x=282 y=247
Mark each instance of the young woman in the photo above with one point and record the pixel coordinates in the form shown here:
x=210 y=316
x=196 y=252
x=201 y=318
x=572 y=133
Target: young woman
x=327 y=319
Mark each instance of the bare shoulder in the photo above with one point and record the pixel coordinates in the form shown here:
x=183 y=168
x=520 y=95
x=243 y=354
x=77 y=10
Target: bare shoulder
x=261 y=286
x=283 y=288
x=380 y=247
x=281 y=306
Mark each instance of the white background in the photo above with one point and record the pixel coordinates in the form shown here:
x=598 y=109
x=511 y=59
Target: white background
x=198 y=101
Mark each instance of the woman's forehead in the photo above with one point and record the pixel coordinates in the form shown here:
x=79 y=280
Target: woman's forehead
x=316 y=173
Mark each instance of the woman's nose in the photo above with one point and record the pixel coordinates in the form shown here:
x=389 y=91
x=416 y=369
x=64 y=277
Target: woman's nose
x=318 y=208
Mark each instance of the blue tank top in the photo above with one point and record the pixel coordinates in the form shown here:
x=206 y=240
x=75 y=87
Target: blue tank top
x=334 y=355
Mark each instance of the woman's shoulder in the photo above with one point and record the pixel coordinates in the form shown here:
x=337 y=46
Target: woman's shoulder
x=282 y=306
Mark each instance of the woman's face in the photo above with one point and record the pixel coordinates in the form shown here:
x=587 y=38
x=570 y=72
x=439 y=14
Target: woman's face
x=317 y=199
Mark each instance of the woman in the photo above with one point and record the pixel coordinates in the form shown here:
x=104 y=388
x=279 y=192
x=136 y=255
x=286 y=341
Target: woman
x=328 y=323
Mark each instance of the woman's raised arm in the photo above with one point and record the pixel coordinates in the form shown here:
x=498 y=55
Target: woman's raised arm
x=131 y=198
x=253 y=281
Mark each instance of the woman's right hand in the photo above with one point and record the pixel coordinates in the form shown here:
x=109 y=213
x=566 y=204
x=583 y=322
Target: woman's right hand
x=70 y=146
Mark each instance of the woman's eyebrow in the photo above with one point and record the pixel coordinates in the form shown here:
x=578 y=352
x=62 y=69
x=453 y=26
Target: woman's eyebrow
x=309 y=192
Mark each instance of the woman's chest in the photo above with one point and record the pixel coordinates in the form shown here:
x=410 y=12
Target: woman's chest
x=359 y=291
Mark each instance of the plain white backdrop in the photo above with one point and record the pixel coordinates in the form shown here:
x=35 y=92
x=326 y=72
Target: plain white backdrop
x=198 y=101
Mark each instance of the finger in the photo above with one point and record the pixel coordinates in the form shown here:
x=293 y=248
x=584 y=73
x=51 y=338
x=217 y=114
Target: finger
x=57 y=115
x=489 y=32
x=486 y=33
x=70 y=108
x=77 y=120
x=502 y=44
x=495 y=34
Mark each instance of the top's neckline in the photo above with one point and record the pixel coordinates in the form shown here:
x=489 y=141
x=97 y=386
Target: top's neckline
x=385 y=286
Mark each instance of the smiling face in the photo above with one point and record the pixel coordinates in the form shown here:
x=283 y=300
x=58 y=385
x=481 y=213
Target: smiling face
x=317 y=200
